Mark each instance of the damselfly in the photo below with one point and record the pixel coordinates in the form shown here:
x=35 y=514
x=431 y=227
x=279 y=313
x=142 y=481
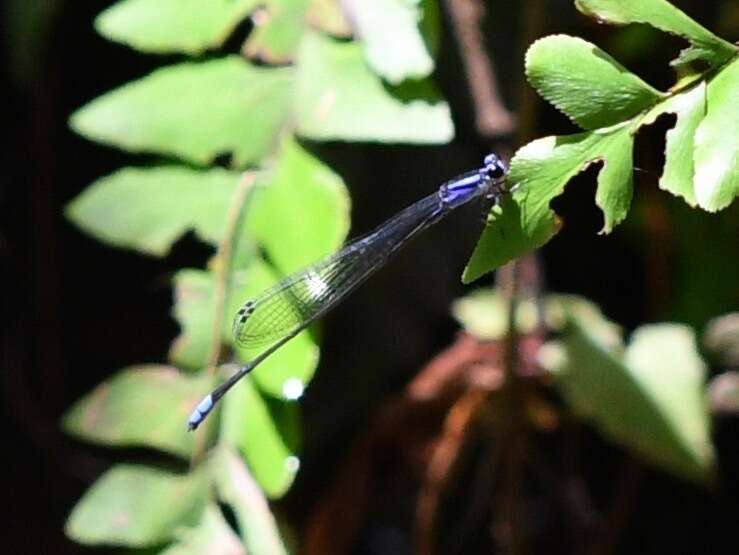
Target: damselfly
x=282 y=312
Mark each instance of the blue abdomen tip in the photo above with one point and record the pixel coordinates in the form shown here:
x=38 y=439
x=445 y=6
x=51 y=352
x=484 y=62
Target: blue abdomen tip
x=200 y=412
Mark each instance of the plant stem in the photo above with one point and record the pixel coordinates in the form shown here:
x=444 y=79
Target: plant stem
x=221 y=266
x=511 y=509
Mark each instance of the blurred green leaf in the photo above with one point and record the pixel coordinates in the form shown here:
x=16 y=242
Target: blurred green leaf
x=539 y=171
x=278 y=29
x=585 y=83
x=237 y=489
x=298 y=214
x=338 y=98
x=483 y=313
x=649 y=397
x=194 y=311
x=196 y=111
x=137 y=506
x=212 y=535
x=303 y=212
x=142 y=405
x=717 y=144
x=662 y=15
x=266 y=431
x=148 y=209
x=166 y=26
x=390 y=33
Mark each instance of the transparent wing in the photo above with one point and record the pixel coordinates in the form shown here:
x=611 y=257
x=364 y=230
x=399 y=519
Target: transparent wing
x=298 y=299
x=301 y=298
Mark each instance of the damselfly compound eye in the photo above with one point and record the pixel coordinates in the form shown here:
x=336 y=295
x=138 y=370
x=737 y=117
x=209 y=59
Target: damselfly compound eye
x=494 y=166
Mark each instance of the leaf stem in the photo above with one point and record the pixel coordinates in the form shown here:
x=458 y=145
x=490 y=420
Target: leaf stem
x=222 y=266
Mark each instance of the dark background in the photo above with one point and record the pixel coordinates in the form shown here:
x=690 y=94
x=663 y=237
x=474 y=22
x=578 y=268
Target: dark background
x=75 y=310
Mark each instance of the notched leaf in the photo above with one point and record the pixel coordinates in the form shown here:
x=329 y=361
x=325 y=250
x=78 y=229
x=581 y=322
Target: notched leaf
x=148 y=209
x=666 y=17
x=538 y=174
x=585 y=83
x=717 y=142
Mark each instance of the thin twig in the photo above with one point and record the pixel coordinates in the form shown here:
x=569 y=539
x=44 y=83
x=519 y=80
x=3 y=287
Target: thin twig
x=492 y=119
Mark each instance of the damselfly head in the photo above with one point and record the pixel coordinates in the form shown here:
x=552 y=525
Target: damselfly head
x=495 y=168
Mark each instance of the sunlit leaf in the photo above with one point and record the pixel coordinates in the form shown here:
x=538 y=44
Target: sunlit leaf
x=662 y=15
x=148 y=209
x=196 y=111
x=165 y=26
x=649 y=397
x=137 y=506
x=585 y=83
x=266 y=431
x=194 y=311
x=140 y=406
x=390 y=33
x=302 y=214
x=717 y=142
x=690 y=108
x=539 y=172
x=339 y=98
x=238 y=489
x=483 y=313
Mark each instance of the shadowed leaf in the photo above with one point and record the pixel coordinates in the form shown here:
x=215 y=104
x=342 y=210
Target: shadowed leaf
x=140 y=406
x=137 y=506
